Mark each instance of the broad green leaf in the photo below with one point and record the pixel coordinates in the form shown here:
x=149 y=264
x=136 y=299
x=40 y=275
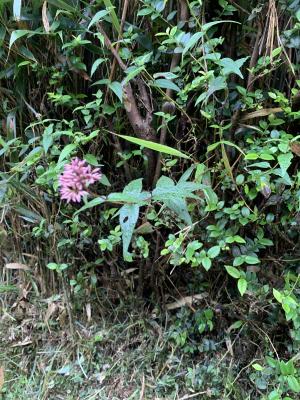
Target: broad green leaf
x=91 y=159
x=48 y=137
x=129 y=214
x=116 y=87
x=96 y=64
x=66 y=151
x=128 y=218
x=206 y=262
x=215 y=85
x=132 y=72
x=166 y=84
x=230 y=66
x=214 y=251
x=232 y=271
x=192 y=41
x=91 y=204
x=97 y=17
x=235 y=325
x=252 y=260
x=180 y=208
x=211 y=199
x=285 y=161
x=167 y=190
x=278 y=296
x=154 y=146
x=257 y=367
x=294 y=384
x=242 y=286
x=15 y=35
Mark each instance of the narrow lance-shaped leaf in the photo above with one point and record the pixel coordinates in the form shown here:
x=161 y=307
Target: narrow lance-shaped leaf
x=154 y=146
x=97 y=17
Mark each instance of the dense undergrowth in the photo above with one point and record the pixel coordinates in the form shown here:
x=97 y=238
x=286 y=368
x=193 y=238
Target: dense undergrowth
x=176 y=274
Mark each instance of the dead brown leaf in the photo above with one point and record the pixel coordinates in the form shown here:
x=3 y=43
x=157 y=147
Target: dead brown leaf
x=186 y=301
x=295 y=148
x=45 y=18
x=17 y=266
x=1 y=377
x=261 y=113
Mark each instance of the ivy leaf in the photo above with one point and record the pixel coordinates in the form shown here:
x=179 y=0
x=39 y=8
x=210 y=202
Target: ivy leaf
x=242 y=286
x=230 y=66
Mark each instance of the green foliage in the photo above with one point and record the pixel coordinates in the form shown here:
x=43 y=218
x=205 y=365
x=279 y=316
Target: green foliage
x=193 y=119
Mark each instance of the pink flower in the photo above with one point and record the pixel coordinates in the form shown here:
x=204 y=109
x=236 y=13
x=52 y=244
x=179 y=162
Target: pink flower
x=76 y=178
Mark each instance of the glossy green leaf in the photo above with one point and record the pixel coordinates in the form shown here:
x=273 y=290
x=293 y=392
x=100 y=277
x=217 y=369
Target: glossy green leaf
x=242 y=286
x=232 y=271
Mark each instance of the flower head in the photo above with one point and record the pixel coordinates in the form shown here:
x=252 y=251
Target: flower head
x=76 y=178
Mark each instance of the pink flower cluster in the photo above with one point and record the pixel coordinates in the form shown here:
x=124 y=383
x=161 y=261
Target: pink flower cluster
x=76 y=178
